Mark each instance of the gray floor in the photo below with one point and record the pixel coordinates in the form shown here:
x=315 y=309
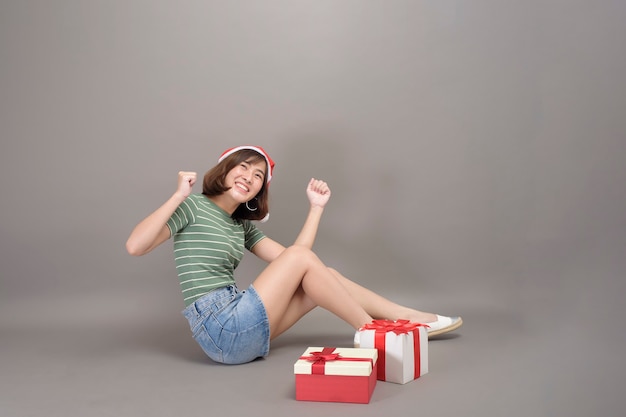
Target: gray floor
x=540 y=353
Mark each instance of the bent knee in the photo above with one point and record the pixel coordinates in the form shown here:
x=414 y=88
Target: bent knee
x=301 y=253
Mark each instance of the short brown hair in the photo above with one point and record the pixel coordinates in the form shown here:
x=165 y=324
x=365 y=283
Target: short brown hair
x=215 y=183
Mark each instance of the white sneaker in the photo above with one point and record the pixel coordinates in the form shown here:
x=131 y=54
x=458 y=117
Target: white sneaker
x=443 y=324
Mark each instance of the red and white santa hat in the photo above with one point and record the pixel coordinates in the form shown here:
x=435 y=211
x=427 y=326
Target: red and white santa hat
x=270 y=162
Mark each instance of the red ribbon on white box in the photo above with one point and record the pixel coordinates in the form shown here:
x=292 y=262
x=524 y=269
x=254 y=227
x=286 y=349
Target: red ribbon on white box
x=319 y=359
x=382 y=327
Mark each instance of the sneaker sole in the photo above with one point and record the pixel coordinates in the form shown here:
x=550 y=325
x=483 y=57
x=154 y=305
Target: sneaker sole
x=450 y=328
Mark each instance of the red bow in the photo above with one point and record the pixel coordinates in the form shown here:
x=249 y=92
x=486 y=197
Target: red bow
x=398 y=326
x=319 y=359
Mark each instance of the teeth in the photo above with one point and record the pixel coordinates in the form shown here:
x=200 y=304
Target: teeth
x=242 y=187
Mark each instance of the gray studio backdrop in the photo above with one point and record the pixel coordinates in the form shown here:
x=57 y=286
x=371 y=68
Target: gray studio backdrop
x=470 y=146
x=475 y=149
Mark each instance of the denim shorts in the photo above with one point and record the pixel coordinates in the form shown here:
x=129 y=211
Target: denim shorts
x=230 y=325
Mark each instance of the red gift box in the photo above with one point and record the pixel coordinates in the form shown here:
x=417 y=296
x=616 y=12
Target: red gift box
x=402 y=348
x=330 y=374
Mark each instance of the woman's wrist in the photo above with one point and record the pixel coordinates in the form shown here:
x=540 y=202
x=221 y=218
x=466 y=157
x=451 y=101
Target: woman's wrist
x=178 y=197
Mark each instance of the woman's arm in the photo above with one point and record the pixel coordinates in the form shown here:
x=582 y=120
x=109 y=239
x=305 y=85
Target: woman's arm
x=318 y=194
x=153 y=230
x=267 y=249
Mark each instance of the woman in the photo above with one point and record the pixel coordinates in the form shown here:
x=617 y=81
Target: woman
x=210 y=233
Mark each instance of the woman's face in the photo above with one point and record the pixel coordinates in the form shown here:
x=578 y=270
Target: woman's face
x=246 y=180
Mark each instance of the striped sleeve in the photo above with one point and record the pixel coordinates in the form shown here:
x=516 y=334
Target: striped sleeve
x=183 y=216
x=252 y=234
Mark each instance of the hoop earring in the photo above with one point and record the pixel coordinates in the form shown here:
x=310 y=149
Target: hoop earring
x=252 y=209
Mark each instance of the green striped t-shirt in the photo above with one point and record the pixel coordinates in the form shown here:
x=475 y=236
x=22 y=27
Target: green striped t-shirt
x=208 y=245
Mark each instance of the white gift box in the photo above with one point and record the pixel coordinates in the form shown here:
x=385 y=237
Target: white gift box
x=402 y=348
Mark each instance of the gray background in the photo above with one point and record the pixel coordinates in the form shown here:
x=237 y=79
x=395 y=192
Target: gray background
x=475 y=151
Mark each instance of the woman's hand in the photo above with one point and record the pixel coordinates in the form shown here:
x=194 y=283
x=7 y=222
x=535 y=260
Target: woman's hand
x=318 y=193
x=186 y=180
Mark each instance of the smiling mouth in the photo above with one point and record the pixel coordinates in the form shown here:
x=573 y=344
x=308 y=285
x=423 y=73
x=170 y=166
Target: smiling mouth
x=242 y=187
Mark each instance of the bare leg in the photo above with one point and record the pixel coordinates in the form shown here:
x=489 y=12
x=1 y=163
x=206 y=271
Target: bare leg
x=375 y=305
x=380 y=307
x=297 y=281
x=300 y=305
